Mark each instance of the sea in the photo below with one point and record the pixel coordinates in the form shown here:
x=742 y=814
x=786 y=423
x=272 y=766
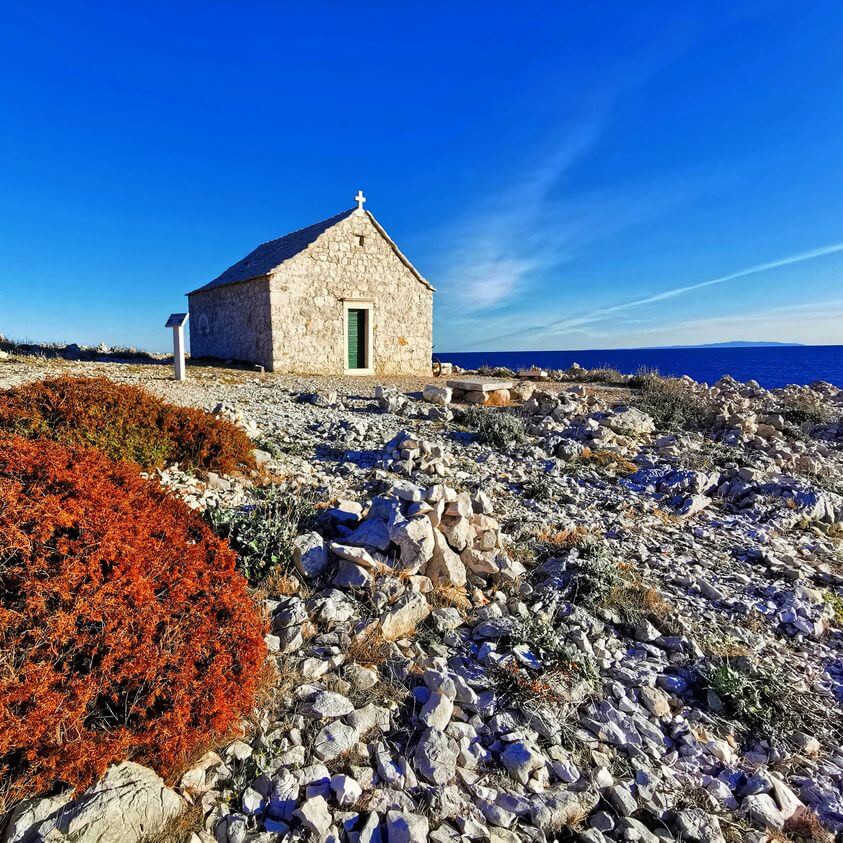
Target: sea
x=772 y=366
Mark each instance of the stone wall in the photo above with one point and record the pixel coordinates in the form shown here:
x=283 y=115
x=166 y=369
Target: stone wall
x=232 y=323
x=307 y=295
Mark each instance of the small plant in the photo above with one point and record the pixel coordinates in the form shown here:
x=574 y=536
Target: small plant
x=670 y=402
x=834 y=602
x=125 y=630
x=600 y=582
x=611 y=460
x=804 y=408
x=710 y=455
x=597 y=576
x=539 y=488
x=263 y=531
x=518 y=687
x=544 y=641
x=127 y=423
x=501 y=430
x=759 y=696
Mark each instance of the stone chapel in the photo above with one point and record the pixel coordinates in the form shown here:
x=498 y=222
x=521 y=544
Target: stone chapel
x=337 y=297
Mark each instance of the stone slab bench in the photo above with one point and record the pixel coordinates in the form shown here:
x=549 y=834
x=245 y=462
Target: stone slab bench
x=533 y=374
x=481 y=390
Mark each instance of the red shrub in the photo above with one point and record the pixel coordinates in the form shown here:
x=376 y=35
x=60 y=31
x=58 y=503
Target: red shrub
x=126 y=422
x=125 y=631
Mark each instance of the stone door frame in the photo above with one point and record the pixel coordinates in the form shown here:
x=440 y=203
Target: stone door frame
x=359 y=304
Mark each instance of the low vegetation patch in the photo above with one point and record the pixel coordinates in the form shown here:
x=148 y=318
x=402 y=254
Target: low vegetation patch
x=602 y=374
x=126 y=422
x=806 y=409
x=500 y=429
x=262 y=532
x=610 y=460
x=602 y=583
x=670 y=402
x=761 y=698
x=709 y=456
x=538 y=488
x=544 y=641
x=125 y=630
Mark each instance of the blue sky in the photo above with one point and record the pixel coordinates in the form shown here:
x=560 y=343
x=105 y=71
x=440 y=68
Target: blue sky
x=571 y=175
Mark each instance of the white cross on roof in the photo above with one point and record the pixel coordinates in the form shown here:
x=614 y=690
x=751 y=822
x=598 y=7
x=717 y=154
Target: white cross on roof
x=360 y=199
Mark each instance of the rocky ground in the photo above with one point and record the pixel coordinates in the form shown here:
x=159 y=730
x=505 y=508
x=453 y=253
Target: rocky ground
x=605 y=612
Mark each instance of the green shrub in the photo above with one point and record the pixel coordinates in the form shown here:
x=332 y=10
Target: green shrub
x=760 y=697
x=539 y=488
x=597 y=575
x=263 y=531
x=545 y=642
x=500 y=429
x=670 y=402
x=606 y=374
x=806 y=409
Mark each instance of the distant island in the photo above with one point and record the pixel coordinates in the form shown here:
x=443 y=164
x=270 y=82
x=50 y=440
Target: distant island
x=737 y=344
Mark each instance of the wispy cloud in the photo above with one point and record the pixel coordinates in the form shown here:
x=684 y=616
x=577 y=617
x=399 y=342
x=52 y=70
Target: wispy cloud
x=502 y=241
x=561 y=325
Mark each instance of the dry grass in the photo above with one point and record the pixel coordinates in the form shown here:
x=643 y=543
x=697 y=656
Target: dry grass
x=448 y=594
x=754 y=622
x=632 y=600
x=369 y=649
x=723 y=646
x=608 y=460
x=495 y=399
x=667 y=518
x=566 y=538
x=647 y=600
x=805 y=827
x=180 y=828
x=280 y=584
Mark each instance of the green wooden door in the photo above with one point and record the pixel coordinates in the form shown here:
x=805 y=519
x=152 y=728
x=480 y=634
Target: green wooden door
x=357 y=339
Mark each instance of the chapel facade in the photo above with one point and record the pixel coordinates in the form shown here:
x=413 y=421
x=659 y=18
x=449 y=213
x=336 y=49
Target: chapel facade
x=337 y=297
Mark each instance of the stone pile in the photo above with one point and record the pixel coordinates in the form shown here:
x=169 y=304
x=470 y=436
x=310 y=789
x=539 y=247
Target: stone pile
x=392 y=400
x=236 y=416
x=430 y=536
x=570 y=421
x=406 y=454
x=200 y=494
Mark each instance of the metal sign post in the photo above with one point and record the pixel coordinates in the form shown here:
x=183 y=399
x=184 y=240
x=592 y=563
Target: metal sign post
x=177 y=322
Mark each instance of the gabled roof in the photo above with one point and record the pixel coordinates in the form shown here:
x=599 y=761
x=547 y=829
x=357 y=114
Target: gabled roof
x=269 y=255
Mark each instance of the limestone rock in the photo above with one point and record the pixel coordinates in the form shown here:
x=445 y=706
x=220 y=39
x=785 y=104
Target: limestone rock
x=129 y=803
x=310 y=555
x=314 y=815
x=436 y=757
x=404 y=616
x=445 y=566
x=404 y=827
x=437 y=394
